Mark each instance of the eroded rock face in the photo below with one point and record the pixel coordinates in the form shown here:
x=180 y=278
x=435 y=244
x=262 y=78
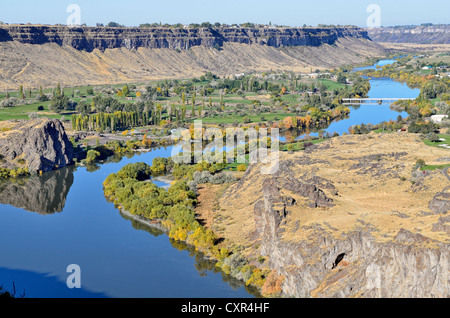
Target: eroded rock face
x=355 y=264
x=91 y=38
x=441 y=202
x=40 y=144
x=434 y=34
x=411 y=265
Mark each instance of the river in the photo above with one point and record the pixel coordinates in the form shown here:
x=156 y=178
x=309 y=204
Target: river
x=63 y=218
x=372 y=113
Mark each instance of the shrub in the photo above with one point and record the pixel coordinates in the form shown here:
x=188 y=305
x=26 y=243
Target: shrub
x=272 y=285
x=433 y=137
x=91 y=156
x=241 y=167
x=290 y=147
x=420 y=163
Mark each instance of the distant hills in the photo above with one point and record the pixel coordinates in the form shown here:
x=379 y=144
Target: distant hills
x=426 y=33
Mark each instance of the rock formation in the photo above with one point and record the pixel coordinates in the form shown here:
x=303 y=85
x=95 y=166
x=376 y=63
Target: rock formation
x=44 y=194
x=97 y=56
x=342 y=221
x=39 y=144
x=426 y=34
x=91 y=38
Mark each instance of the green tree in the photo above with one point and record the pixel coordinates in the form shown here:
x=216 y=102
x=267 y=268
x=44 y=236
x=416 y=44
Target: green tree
x=91 y=156
x=59 y=103
x=21 y=94
x=125 y=91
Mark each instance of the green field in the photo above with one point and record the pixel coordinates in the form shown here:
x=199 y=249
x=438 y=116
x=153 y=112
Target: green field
x=22 y=111
x=434 y=167
x=439 y=143
x=229 y=119
x=331 y=85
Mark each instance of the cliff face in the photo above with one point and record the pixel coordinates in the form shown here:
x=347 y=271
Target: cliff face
x=91 y=38
x=338 y=221
x=40 y=144
x=436 y=34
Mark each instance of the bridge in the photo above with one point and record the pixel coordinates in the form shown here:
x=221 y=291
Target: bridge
x=352 y=101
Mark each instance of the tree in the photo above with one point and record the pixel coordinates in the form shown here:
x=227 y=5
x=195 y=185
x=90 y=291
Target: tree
x=342 y=79
x=59 y=103
x=113 y=25
x=58 y=91
x=91 y=156
x=125 y=91
x=21 y=94
x=193 y=104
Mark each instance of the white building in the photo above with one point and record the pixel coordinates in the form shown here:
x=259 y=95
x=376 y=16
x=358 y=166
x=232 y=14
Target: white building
x=438 y=118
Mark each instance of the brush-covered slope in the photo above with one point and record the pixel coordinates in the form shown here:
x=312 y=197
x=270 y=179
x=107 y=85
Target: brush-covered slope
x=349 y=217
x=32 y=57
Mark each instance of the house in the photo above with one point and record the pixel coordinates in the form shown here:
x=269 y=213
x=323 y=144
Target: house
x=438 y=118
x=427 y=68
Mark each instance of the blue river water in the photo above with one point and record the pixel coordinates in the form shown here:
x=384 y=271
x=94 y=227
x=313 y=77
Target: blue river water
x=116 y=259
x=48 y=223
x=372 y=113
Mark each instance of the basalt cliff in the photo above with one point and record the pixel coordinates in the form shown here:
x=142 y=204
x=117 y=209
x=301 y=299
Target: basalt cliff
x=91 y=38
x=43 y=55
x=345 y=221
x=425 y=34
x=38 y=144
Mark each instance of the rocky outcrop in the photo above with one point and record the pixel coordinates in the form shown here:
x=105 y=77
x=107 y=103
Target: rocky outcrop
x=44 y=194
x=340 y=220
x=355 y=265
x=433 y=34
x=91 y=38
x=39 y=144
x=441 y=202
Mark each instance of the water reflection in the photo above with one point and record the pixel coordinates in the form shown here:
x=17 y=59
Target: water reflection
x=203 y=265
x=44 y=194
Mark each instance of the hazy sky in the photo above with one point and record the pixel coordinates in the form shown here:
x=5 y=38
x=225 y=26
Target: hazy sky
x=285 y=12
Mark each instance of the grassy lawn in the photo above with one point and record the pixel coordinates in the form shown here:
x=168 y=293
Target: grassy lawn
x=229 y=119
x=291 y=98
x=331 y=85
x=437 y=144
x=434 y=167
x=22 y=111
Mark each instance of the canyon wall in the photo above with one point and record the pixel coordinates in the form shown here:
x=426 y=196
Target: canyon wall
x=433 y=34
x=102 y=38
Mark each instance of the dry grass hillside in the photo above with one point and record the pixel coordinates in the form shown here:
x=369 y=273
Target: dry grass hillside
x=369 y=181
x=46 y=64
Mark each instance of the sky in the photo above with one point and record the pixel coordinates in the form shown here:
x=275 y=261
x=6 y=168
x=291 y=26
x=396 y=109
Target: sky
x=284 y=12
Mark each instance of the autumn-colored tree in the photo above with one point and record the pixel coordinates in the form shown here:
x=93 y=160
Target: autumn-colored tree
x=147 y=143
x=272 y=284
x=287 y=122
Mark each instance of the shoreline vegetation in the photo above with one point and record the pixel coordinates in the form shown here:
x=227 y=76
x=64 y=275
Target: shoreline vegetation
x=174 y=210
